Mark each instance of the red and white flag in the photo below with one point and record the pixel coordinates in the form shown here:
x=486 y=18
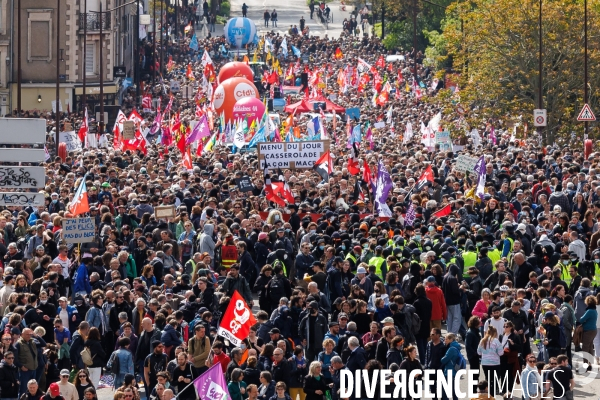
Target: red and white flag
x=237 y=320
x=80 y=203
x=83 y=129
x=147 y=103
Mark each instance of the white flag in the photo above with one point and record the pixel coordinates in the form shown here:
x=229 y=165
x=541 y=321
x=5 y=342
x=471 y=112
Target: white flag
x=408 y=133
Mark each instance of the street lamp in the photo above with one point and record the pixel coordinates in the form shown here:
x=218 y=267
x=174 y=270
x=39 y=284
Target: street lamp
x=57 y=73
x=540 y=99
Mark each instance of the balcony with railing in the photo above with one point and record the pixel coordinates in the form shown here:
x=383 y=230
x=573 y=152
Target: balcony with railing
x=92 y=22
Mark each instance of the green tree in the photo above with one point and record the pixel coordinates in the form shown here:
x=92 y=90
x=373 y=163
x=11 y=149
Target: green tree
x=494 y=44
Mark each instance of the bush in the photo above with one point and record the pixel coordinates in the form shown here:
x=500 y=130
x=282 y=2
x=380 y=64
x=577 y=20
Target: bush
x=225 y=8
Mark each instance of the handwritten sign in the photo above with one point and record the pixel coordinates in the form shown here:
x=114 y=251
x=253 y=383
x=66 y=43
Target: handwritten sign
x=22 y=177
x=128 y=130
x=443 y=140
x=379 y=125
x=164 y=211
x=71 y=140
x=291 y=155
x=244 y=184
x=79 y=230
x=465 y=163
x=21 y=199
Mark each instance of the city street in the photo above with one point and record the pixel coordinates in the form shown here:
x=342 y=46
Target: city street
x=289 y=13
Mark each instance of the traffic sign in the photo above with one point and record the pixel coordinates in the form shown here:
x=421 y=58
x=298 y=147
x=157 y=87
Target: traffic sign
x=539 y=117
x=586 y=114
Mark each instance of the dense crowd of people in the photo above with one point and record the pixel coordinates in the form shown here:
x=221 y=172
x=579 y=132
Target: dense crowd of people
x=510 y=273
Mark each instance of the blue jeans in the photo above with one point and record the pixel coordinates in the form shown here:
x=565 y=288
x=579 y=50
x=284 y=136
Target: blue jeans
x=454 y=318
x=24 y=377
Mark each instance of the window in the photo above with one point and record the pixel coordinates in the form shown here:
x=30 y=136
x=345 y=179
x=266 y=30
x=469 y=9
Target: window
x=90 y=58
x=39 y=35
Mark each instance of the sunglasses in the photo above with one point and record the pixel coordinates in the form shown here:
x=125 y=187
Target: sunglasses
x=64 y=376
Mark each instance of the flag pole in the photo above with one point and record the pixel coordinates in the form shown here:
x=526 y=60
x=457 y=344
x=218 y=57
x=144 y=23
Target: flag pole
x=194 y=380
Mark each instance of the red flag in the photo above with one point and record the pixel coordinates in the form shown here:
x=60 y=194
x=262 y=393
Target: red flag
x=353 y=167
x=380 y=62
x=190 y=73
x=273 y=78
x=187 y=159
x=80 y=203
x=83 y=129
x=324 y=165
x=367 y=174
x=181 y=144
x=338 y=54
x=444 y=212
x=237 y=320
x=426 y=176
x=277 y=189
x=147 y=102
x=287 y=194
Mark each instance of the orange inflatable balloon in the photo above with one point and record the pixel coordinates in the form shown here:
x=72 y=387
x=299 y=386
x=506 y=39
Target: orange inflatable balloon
x=235 y=69
x=229 y=92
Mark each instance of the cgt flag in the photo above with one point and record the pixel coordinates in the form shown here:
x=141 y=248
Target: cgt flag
x=444 y=212
x=211 y=385
x=237 y=320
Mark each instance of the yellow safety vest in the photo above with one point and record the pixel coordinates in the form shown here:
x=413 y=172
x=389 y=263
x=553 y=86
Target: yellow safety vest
x=377 y=262
x=495 y=256
x=596 y=278
x=469 y=259
x=351 y=257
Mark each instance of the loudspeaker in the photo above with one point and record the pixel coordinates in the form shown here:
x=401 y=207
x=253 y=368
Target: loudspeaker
x=276 y=93
x=304 y=78
x=270 y=105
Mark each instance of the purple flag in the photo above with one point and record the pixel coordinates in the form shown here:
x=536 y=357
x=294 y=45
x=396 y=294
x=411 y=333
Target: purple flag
x=211 y=385
x=155 y=128
x=384 y=185
x=480 y=170
x=410 y=215
x=200 y=131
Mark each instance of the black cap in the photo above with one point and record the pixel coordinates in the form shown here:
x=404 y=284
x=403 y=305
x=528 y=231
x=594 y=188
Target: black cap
x=314 y=305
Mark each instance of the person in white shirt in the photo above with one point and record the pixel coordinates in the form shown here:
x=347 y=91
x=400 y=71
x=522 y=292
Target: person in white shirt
x=496 y=321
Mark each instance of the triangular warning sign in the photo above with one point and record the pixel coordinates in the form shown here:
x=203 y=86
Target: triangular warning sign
x=586 y=114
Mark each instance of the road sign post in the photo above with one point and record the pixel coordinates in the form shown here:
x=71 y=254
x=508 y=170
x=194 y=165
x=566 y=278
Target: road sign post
x=586 y=114
x=540 y=117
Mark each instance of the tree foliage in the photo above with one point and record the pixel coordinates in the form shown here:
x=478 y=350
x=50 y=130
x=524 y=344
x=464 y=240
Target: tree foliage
x=399 y=21
x=494 y=44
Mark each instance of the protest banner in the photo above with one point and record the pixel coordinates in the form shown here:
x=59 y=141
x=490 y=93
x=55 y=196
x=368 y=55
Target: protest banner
x=244 y=184
x=128 y=130
x=465 y=163
x=71 y=140
x=22 y=177
x=443 y=140
x=21 y=199
x=79 y=230
x=22 y=131
x=294 y=155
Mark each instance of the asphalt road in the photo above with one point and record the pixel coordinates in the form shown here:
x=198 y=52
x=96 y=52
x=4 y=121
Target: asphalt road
x=289 y=13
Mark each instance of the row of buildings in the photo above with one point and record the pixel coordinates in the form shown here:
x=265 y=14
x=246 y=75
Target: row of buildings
x=39 y=27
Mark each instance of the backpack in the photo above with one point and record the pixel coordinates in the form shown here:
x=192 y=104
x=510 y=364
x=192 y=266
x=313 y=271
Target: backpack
x=86 y=357
x=192 y=325
x=461 y=364
x=405 y=288
x=562 y=337
x=276 y=289
x=114 y=364
x=416 y=323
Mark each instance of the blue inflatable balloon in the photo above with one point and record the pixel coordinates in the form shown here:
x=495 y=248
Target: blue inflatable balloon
x=240 y=31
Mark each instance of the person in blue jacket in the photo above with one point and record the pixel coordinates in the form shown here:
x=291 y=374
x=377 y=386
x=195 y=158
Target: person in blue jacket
x=449 y=360
x=81 y=278
x=170 y=337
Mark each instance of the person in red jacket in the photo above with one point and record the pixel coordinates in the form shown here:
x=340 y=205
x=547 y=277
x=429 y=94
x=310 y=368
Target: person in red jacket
x=439 y=311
